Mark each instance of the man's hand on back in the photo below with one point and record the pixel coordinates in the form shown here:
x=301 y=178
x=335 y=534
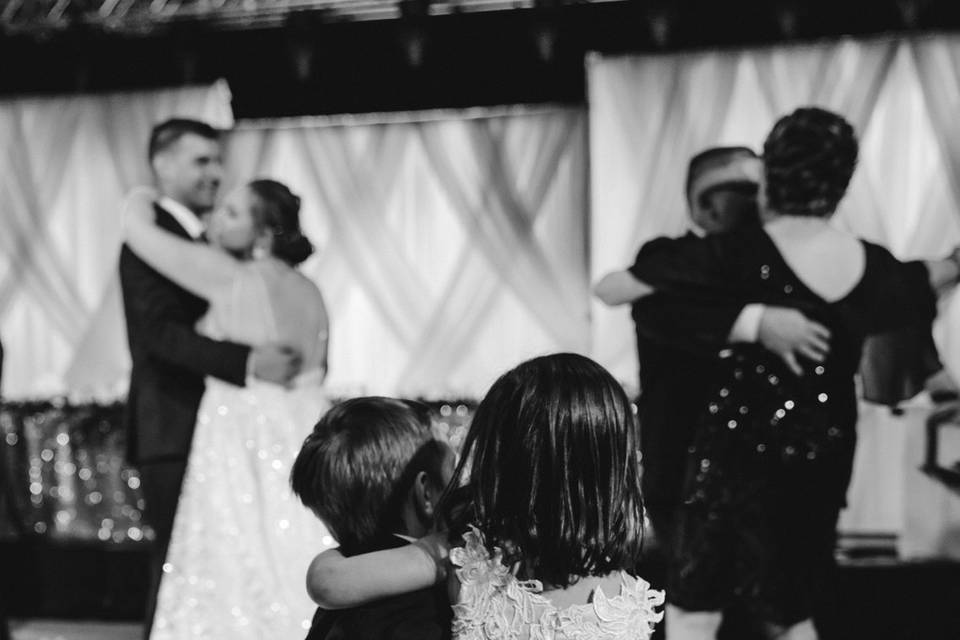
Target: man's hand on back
x=275 y=363
x=790 y=334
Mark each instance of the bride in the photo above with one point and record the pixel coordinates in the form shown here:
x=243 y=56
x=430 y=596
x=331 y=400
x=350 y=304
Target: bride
x=241 y=542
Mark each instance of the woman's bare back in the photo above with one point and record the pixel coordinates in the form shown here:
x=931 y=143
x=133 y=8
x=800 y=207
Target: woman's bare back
x=270 y=302
x=830 y=262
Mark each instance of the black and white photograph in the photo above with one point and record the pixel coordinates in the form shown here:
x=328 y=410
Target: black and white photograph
x=479 y=320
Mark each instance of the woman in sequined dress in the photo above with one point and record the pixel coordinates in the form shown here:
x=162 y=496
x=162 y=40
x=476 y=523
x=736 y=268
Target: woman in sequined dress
x=769 y=467
x=241 y=541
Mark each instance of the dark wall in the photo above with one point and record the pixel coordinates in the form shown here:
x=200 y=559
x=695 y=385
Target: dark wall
x=313 y=66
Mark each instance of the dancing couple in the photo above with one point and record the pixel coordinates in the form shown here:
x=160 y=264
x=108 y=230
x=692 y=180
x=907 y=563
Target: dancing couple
x=748 y=486
x=229 y=347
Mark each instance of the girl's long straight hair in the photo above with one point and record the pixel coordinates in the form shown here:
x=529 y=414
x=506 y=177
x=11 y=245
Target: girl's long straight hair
x=550 y=471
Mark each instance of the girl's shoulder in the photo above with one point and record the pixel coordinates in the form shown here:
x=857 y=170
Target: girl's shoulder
x=491 y=603
x=476 y=565
x=492 y=598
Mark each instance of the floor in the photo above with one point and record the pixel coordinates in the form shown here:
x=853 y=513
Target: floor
x=75 y=630
x=876 y=597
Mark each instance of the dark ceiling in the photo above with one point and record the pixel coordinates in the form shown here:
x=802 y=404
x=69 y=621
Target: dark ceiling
x=422 y=55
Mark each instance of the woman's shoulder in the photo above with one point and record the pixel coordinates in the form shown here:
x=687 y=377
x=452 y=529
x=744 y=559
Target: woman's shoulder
x=279 y=274
x=304 y=286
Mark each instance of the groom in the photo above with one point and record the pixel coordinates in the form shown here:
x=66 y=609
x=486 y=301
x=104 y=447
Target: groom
x=170 y=359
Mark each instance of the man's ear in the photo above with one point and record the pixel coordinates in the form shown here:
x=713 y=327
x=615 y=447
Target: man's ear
x=708 y=204
x=425 y=495
x=160 y=165
x=717 y=210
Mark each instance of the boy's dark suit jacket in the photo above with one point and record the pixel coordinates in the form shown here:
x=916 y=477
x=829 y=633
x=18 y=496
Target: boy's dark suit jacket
x=420 y=615
x=170 y=360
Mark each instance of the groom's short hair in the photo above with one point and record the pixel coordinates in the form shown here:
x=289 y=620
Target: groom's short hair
x=358 y=465
x=165 y=135
x=713 y=159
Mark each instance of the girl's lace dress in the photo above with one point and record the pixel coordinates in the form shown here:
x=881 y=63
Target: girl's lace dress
x=494 y=604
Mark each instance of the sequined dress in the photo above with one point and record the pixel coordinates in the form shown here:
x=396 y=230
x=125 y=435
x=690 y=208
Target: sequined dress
x=767 y=473
x=495 y=605
x=241 y=541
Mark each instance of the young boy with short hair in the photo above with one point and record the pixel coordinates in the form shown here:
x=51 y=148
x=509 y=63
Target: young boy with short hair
x=373 y=472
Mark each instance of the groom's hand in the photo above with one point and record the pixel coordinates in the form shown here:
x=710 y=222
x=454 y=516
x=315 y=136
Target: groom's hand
x=275 y=363
x=789 y=334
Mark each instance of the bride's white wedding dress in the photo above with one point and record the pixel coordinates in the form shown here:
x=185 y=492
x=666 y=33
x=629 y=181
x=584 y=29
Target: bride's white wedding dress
x=241 y=540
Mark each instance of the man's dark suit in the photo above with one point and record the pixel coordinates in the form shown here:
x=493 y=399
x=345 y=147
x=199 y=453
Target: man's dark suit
x=170 y=362
x=419 y=615
x=675 y=377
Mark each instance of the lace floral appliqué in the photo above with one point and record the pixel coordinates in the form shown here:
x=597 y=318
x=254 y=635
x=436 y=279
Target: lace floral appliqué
x=494 y=604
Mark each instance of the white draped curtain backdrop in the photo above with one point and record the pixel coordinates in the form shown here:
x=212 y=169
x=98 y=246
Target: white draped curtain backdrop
x=650 y=114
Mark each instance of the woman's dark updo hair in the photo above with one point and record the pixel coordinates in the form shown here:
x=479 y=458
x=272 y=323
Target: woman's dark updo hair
x=276 y=208
x=808 y=160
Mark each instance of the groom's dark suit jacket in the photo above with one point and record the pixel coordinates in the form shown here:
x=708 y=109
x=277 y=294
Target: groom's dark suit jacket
x=170 y=360
x=419 y=615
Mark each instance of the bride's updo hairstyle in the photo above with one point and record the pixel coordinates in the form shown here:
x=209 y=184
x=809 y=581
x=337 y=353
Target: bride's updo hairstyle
x=278 y=209
x=808 y=160
x=551 y=472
